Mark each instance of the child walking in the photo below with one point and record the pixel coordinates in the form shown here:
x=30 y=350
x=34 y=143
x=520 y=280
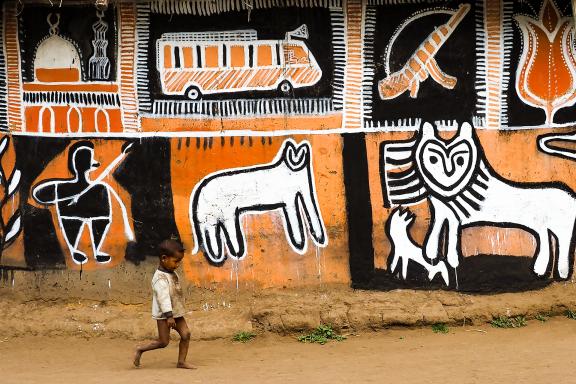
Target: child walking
x=168 y=303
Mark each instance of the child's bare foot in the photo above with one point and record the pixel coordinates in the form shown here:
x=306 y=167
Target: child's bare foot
x=185 y=365
x=137 y=356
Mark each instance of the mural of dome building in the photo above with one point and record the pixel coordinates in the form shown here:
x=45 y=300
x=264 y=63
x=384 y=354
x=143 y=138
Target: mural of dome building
x=61 y=98
x=57 y=60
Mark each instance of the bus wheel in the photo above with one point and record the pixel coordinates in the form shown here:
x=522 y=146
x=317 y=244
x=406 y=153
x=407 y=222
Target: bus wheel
x=285 y=88
x=193 y=93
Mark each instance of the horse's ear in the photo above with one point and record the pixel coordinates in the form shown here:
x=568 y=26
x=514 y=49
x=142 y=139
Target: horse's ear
x=428 y=130
x=287 y=146
x=465 y=130
x=297 y=157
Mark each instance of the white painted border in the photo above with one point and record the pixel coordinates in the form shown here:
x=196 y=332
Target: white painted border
x=449 y=126
x=141 y=59
x=228 y=109
x=210 y=7
x=481 y=84
x=369 y=69
x=337 y=20
x=3 y=76
x=507 y=36
x=400 y=2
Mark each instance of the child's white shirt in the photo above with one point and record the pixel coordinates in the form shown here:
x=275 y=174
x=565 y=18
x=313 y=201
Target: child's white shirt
x=167 y=295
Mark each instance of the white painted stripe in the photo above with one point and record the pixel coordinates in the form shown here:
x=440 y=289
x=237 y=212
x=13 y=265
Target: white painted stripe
x=142 y=37
x=339 y=55
x=369 y=62
x=508 y=35
x=3 y=76
x=209 y=7
x=481 y=80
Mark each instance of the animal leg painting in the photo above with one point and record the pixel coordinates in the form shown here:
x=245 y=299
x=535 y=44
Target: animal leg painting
x=422 y=63
x=404 y=247
x=220 y=200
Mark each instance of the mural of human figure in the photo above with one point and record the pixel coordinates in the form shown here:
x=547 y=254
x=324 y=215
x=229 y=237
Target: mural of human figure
x=83 y=202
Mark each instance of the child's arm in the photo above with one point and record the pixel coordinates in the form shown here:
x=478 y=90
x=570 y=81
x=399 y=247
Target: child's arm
x=162 y=292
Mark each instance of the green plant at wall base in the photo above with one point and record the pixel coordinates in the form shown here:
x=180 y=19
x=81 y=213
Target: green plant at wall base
x=440 y=328
x=542 y=317
x=509 y=322
x=243 y=336
x=321 y=335
x=570 y=314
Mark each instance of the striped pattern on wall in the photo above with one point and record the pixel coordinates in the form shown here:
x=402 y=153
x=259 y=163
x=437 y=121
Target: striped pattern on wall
x=142 y=39
x=494 y=62
x=3 y=79
x=241 y=108
x=127 y=44
x=481 y=71
x=369 y=61
x=210 y=7
x=507 y=35
x=395 y=2
x=413 y=124
x=339 y=56
x=14 y=83
x=96 y=99
x=353 y=81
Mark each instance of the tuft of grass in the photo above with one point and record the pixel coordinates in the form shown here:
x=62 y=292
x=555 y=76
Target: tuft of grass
x=321 y=335
x=542 y=317
x=570 y=314
x=244 y=336
x=508 y=322
x=440 y=328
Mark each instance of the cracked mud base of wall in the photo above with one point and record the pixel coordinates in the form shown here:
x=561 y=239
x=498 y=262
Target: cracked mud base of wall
x=38 y=305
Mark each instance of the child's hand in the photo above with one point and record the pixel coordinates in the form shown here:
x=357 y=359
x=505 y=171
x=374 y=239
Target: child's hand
x=171 y=322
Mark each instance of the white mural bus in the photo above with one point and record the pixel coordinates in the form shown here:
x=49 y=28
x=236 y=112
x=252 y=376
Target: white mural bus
x=194 y=64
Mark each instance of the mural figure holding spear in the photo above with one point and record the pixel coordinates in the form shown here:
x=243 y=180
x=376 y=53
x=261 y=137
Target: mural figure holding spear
x=81 y=201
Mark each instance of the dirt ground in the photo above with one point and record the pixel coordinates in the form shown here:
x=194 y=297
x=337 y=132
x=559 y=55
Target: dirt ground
x=540 y=352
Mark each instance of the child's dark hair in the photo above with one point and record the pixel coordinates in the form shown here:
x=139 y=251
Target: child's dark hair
x=169 y=247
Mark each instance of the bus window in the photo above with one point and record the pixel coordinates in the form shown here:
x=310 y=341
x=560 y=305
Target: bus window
x=250 y=56
x=187 y=57
x=176 y=57
x=167 y=57
x=211 y=56
x=264 y=55
x=295 y=54
x=224 y=55
x=237 y=58
x=198 y=56
x=278 y=61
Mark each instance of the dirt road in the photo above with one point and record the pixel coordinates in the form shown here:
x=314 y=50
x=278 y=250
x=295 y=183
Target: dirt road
x=539 y=353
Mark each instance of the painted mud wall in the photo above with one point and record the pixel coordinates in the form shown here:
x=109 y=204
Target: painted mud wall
x=375 y=144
